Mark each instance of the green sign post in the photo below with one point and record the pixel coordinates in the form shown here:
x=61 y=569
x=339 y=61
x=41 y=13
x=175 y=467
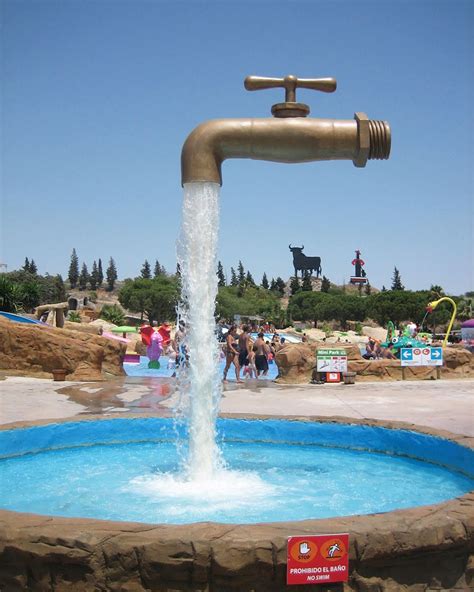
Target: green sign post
x=331 y=360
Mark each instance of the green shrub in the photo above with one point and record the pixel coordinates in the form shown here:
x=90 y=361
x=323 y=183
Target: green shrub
x=74 y=317
x=327 y=330
x=112 y=313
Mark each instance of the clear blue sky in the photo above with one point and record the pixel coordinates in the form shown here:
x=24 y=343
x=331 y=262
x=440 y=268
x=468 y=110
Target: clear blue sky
x=99 y=96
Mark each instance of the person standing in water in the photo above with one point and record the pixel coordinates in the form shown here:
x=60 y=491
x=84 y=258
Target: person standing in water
x=261 y=352
x=232 y=353
x=244 y=346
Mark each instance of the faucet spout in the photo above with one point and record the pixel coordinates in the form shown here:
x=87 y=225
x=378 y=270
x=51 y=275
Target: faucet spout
x=290 y=140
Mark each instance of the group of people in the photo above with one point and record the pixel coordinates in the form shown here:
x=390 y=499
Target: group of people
x=250 y=357
x=375 y=351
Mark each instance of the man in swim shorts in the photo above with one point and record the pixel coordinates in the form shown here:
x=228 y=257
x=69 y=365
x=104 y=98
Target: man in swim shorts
x=244 y=346
x=261 y=351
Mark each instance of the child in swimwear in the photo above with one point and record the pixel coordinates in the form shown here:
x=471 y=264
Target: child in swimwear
x=250 y=370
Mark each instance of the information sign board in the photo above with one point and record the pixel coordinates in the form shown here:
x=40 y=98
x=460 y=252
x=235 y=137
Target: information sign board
x=317 y=559
x=421 y=356
x=331 y=360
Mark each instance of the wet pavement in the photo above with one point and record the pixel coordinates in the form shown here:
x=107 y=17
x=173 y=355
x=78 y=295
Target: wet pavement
x=443 y=404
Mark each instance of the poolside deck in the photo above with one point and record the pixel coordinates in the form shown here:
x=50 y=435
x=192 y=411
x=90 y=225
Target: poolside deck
x=446 y=405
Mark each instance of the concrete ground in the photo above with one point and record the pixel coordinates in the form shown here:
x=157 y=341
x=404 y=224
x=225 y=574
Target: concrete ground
x=442 y=404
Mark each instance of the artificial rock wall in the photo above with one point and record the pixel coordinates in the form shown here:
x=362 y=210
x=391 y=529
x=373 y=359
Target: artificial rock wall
x=33 y=350
x=296 y=363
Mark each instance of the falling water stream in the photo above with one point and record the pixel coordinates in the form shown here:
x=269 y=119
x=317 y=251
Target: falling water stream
x=200 y=386
x=202 y=478
x=424 y=319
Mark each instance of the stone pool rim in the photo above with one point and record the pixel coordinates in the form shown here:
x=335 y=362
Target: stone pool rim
x=381 y=545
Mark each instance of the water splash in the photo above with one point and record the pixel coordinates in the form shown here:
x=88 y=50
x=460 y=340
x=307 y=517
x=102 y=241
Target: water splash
x=235 y=491
x=198 y=380
x=424 y=319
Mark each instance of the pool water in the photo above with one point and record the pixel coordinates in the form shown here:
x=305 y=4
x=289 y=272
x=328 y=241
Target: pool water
x=166 y=371
x=263 y=481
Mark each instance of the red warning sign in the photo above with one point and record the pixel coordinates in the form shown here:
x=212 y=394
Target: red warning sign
x=318 y=559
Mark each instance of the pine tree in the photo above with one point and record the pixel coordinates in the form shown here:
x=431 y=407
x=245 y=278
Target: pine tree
x=397 y=280
x=94 y=277
x=384 y=289
x=26 y=266
x=265 y=285
x=220 y=275
x=307 y=286
x=273 y=286
x=233 y=277
x=280 y=285
x=84 y=277
x=100 y=274
x=368 y=289
x=59 y=288
x=33 y=267
x=111 y=275
x=145 y=272
x=158 y=270
x=295 y=285
x=73 y=274
x=241 y=273
x=249 y=279
x=325 y=284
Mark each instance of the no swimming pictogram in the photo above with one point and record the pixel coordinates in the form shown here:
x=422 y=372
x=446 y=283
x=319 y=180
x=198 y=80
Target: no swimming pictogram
x=318 y=559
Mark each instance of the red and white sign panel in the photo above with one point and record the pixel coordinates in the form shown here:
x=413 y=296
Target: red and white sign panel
x=318 y=559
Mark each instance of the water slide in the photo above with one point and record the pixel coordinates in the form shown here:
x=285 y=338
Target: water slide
x=19 y=319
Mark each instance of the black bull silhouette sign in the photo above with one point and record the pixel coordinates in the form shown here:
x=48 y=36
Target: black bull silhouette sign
x=303 y=263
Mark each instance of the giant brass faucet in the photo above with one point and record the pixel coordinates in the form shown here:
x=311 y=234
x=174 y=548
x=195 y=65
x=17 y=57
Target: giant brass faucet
x=288 y=136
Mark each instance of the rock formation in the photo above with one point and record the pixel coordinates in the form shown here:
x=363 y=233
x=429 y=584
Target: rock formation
x=33 y=350
x=296 y=363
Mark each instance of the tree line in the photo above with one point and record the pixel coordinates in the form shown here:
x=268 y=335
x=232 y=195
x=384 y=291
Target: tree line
x=154 y=294
x=93 y=279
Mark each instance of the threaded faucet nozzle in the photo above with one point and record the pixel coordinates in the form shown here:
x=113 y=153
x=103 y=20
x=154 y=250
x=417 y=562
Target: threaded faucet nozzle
x=380 y=140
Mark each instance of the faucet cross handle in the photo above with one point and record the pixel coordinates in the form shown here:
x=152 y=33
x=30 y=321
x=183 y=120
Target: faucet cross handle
x=290 y=108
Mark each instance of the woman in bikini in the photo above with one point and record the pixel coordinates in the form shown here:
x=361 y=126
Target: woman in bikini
x=232 y=353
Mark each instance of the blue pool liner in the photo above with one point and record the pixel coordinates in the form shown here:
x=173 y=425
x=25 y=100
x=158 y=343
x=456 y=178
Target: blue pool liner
x=433 y=449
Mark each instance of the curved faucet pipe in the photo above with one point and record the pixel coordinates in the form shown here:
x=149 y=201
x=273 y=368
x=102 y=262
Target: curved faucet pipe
x=432 y=305
x=290 y=140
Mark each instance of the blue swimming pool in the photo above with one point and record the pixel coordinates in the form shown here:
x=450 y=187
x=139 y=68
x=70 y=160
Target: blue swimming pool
x=166 y=370
x=275 y=470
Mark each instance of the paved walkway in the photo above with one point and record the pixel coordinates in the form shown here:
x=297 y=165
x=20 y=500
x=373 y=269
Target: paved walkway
x=443 y=404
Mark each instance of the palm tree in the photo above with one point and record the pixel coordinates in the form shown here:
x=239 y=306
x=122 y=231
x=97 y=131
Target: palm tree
x=11 y=297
